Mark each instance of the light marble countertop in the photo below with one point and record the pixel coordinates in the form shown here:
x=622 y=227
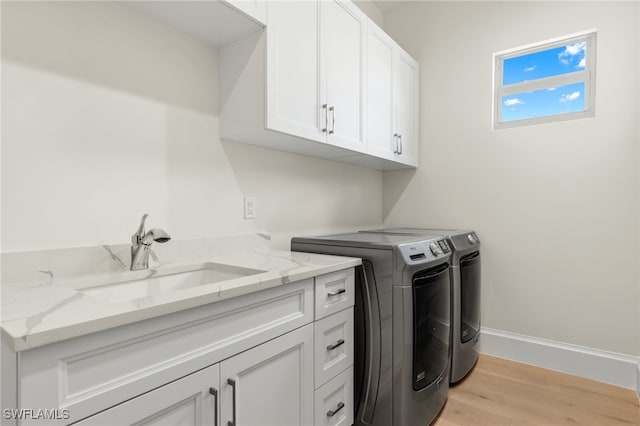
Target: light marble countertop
x=49 y=296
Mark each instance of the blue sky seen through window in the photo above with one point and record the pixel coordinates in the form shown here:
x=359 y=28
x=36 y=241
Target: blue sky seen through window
x=544 y=102
x=548 y=101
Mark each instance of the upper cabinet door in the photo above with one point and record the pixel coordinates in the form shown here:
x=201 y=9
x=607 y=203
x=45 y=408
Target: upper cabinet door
x=256 y=9
x=293 y=104
x=342 y=37
x=406 y=101
x=381 y=140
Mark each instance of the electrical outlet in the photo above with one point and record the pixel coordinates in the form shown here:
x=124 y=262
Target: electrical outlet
x=249 y=208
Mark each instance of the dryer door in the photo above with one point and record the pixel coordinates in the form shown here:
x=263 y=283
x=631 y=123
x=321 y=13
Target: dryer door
x=431 y=324
x=469 y=296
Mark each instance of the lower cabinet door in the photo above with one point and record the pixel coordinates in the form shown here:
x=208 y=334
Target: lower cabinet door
x=271 y=384
x=334 y=401
x=191 y=400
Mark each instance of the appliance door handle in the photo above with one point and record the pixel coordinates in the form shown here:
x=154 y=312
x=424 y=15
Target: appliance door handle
x=435 y=272
x=373 y=346
x=470 y=258
x=214 y=392
x=232 y=383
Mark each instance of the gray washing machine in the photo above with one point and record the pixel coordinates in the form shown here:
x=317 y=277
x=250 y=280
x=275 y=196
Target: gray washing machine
x=401 y=324
x=465 y=294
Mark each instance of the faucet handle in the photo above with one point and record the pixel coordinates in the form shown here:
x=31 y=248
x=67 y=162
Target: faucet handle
x=135 y=238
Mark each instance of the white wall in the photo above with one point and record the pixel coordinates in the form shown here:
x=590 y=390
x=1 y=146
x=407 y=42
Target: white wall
x=556 y=205
x=107 y=114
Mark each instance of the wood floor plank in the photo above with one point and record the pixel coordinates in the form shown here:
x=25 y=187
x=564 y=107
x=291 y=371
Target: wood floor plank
x=501 y=392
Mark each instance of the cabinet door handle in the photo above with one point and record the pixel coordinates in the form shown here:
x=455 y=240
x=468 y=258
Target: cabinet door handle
x=400 y=144
x=326 y=118
x=337 y=292
x=232 y=383
x=332 y=109
x=395 y=143
x=332 y=413
x=214 y=392
x=335 y=345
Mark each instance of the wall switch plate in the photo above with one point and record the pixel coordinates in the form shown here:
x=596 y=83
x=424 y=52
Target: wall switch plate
x=249 y=208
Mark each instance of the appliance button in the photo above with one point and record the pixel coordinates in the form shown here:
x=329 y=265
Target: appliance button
x=471 y=239
x=435 y=249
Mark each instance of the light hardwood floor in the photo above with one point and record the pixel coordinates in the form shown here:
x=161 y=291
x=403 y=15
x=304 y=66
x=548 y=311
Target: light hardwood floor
x=501 y=392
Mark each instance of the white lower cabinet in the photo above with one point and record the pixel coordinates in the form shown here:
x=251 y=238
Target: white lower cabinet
x=191 y=400
x=334 y=401
x=267 y=358
x=271 y=384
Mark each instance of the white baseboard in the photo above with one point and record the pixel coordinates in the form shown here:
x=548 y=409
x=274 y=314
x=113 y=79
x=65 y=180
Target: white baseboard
x=638 y=380
x=603 y=366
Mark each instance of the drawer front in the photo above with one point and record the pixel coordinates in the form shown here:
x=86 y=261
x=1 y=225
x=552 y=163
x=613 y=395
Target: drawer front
x=334 y=401
x=90 y=373
x=334 y=292
x=333 y=345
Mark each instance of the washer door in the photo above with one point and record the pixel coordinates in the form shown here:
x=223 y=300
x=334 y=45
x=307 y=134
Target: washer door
x=431 y=324
x=469 y=296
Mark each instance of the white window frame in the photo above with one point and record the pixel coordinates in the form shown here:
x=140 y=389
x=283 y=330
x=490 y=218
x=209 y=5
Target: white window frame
x=586 y=76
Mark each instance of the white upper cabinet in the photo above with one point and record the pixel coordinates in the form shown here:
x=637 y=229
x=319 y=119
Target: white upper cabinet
x=255 y=9
x=292 y=73
x=380 y=89
x=301 y=86
x=406 y=107
x=392 y=90
x=342 y=38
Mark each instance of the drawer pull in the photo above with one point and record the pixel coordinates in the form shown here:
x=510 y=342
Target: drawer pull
x=332 y=413
x=214 y=392
x=337 y=292
x=232 y=383
x=335 y=345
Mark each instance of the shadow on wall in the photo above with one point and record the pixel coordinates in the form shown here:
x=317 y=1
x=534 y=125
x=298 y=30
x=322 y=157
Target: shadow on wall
x=395 y=183
x=67 y=39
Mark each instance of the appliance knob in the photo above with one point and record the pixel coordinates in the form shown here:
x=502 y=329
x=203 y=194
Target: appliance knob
x=471 y=239
x=435 y=249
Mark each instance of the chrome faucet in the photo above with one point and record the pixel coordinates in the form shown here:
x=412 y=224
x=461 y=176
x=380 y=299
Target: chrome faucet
x=141 y=243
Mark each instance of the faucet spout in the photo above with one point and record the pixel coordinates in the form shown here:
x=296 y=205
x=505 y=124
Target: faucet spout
x=141 y=244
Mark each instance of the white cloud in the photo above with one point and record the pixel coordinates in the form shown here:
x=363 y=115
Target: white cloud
x=514 y=101
x=582 y=63
x=551 y=89
x=531 y=68
x=574 y=49
x=571 y=97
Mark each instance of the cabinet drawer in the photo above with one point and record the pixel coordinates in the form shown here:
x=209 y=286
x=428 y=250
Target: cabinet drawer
x=333 y=345
x=334 y=292
x=334 y=401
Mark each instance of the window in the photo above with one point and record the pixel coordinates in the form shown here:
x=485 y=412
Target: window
x=545 y=82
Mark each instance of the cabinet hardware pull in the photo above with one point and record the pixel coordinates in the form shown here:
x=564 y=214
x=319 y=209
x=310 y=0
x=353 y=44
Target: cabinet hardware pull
x=337 y=292
x=332 y=109
x=214 y=392
x=395 y=143
x=232 y=383
x=332 y=413
x=335 y=345
x=326 y=118
x=400 y=140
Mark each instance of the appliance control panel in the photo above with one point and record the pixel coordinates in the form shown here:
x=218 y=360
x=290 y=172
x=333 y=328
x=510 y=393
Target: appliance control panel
x=424 y=251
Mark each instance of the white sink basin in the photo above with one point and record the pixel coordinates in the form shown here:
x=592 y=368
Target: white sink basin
x=141 y=284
